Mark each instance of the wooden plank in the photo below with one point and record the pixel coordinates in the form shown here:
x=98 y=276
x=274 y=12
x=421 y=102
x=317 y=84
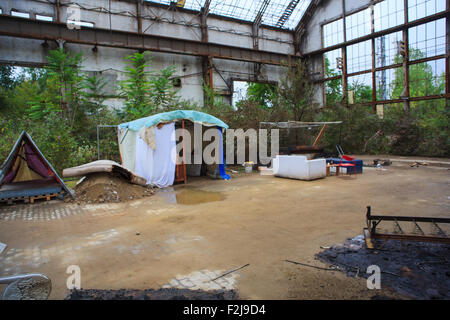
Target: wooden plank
x=368 y=239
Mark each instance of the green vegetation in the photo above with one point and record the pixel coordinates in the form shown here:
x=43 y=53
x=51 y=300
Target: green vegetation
x=61 y=106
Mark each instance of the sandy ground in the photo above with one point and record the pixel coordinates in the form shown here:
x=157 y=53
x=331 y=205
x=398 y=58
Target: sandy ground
x=186 y=237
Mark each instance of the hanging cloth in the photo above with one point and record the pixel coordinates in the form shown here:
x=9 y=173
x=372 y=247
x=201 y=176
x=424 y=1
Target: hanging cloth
x=157 y=166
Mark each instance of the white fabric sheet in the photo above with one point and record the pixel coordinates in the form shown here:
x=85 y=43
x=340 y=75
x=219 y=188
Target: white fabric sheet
x=157 y=166
x=127 y=148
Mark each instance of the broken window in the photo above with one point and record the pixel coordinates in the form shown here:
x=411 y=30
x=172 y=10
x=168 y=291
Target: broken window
x=44 y=18
x=20 y=14
x=427 y=78
x=332 y=59
x=389 y=84
x=359 y=88
x=387 y=49
x=333 y=91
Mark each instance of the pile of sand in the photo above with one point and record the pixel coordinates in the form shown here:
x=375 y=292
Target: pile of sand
x=106 y=187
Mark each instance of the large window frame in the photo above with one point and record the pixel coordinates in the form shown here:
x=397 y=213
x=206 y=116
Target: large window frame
x=386 y=67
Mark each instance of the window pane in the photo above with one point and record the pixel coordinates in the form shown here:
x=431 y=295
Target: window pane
x=387 y=49
x=421 y=8
x=427 y=40
x=427 y=78
x=388 y=14
x=359 y=57
x=361 y=87
x=358 y=24
x=333 y=33
x=389 y=84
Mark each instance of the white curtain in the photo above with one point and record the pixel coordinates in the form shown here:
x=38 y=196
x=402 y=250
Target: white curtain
x=157 y=166
x=127 y=147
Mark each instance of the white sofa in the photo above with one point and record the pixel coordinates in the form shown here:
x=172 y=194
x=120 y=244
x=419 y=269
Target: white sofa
x=298 y=167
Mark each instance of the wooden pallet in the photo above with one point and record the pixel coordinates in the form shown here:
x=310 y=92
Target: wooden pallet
x=26 y=199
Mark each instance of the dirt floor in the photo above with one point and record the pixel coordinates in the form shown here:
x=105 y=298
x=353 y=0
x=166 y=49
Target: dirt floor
x=107 y=187
x=188 y=237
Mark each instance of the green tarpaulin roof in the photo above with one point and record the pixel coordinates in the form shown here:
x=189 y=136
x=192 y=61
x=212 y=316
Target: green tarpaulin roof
x=194 y=116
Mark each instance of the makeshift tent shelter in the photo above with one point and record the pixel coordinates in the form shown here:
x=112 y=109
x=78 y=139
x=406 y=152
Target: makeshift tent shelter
x=27 y=174
x=147 y=145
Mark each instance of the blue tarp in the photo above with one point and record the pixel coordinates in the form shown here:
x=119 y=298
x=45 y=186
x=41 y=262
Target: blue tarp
x=194 y=116
x=222 y=172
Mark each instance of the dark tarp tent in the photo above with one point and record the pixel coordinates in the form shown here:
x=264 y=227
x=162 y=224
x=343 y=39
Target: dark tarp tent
x=26 y=173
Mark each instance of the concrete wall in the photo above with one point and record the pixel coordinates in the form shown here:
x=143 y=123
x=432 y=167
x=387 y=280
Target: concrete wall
x=177 y=24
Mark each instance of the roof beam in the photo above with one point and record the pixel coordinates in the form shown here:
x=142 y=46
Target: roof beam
x=287 y=13
x=52 y=31
x=257 y=23
x=261 y=11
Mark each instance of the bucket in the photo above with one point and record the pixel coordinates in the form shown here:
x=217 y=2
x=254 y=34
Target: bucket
x=248 y=167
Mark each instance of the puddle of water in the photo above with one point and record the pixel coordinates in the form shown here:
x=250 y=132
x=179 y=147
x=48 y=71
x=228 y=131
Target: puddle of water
x=188 y=196
x=192 y=196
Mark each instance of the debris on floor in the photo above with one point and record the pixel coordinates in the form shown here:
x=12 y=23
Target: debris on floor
x=383 y=162
x=108 y=187
x=418 y=163
x=414 y=269
x=104 y=166
x=2 y=247
x=151 y=294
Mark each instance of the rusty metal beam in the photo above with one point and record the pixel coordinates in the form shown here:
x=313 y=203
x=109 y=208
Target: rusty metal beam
x=257 y=23
x=373 y=221
x=287 y=13
x=405 y=97
x=447 y=64
x=204 y=11
x=408 y=237
x=58 y=11
x=392 y=66
x=344 y=59
x=139 y=15
x=43 y=30
x=374 y=82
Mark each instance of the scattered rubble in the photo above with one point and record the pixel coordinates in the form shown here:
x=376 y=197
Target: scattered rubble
x=151 y=294
x=108 y=187
x=414 y=269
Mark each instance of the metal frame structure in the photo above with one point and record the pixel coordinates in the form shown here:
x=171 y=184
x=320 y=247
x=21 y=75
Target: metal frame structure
x=405 y=65
x=270 y=14
x=373 y=221
x=52 y=31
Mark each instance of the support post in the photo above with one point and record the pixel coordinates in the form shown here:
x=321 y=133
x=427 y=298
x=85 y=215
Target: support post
x=204 y=11
x=447 y=60
x=139 y=16
x=344 y=58
x=58 y=11
x=374 y=83
x=406 y=93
